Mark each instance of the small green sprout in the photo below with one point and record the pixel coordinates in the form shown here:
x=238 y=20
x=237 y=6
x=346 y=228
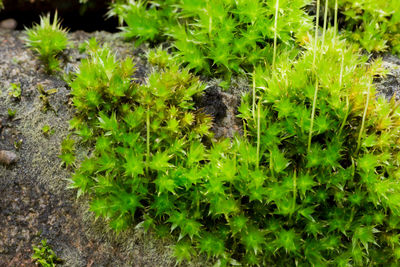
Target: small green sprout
x=47 y=130
x=48 y=39
x=11 y=113
x=44 y=255
x=16 y=60
x=44 y=96
x=160 y=57
x=18 y=144
x=82 y=47
x=67 y=155
x=15 y=90
x=224 y=85
x=89 y=46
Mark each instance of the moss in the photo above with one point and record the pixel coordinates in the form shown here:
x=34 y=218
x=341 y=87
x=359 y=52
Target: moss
x=75 y=235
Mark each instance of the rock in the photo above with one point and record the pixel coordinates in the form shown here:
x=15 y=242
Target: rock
x=7 y=157
x=213 y=104
x=9 y=24
x=390 y=85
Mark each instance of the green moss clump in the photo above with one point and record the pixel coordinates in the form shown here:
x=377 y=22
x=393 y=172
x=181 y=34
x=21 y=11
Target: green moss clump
x=375 y=25
x=48 y=39
x=296 y=188
x=220 y=36
x=44 y=255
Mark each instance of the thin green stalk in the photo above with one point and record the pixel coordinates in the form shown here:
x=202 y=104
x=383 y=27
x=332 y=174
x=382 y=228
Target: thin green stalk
x=294 y=193
x=316 y=33
x=325 y=22
x=363 y=119
x=258 y=132
x=335 y=25
x=210 y=22
x=271 y=165
x=341 y=70
x=210 y=27
x=316 y=79
x=148 y=138
x=254 y=96
x=352 y=213
x=275 y=32
x=347 y=96
x=244 y=129
x=313 y=115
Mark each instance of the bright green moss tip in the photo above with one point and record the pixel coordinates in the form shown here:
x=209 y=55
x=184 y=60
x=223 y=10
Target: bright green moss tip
x=48 y=39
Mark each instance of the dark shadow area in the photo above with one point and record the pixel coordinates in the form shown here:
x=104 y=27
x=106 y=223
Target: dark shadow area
x=75 y=16
x=211 y=103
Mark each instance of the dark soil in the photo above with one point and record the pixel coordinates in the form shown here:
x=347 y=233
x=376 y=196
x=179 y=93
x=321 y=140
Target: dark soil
x=212 y=103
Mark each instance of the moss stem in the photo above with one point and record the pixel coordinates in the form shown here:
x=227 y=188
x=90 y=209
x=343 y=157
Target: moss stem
x=335 y=25
x=316 y=79
x=316 y=33
x=347 y=96
x=148 y=139
x=325 y=22
x=275 y=32
x=271 y=165
x=313 y=115
x=258 y=132
x=254 y=96
x=294 y=192
x=363 y=119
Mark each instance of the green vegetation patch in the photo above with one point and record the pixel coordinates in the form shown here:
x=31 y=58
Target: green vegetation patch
x=44 y=255
x=312 y=181
x=373 y=24
x=314 y=178
x=15 y=90
x=222 y=36
x=141 y=135
x=48 y=39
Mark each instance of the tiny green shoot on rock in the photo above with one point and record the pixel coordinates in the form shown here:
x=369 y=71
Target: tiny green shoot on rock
x=44 y=255
x=48 y=39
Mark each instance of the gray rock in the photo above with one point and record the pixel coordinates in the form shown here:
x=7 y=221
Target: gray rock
x=390 y=85
x=8 y=157
x=9 y=24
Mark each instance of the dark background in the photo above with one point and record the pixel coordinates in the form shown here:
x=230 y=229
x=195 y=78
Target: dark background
x=75 y=16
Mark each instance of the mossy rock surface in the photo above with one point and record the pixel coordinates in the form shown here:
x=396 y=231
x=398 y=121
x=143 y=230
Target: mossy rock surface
x=35 y=203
